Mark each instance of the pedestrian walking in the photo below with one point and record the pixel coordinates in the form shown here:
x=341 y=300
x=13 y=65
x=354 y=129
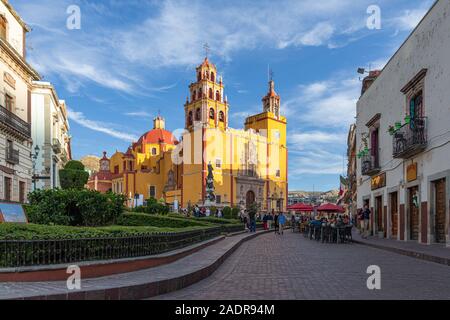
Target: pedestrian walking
x=275 y=222
x=366 y=216
x=281 y=222
x=265 y=219
x=293 y=222
x=245 y=222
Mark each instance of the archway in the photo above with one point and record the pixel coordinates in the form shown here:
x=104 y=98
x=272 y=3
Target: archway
x=250 y=198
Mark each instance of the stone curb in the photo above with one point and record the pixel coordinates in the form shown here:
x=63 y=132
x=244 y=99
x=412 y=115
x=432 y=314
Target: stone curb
x=409 y=253
x=147 y=290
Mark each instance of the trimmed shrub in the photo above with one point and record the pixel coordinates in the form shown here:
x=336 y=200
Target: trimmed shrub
x=227 y=213
x=218 y=220
x=18 y=231
x=74 y=207
x=142 y=219
x=73 y=176
x=153 y=207
x=235 y=213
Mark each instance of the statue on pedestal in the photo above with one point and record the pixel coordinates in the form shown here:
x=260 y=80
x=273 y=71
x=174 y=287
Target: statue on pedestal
x=210 y=195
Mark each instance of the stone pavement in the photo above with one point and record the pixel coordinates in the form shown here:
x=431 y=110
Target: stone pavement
x=292 y=267
x=138 y=284
x=435 y=252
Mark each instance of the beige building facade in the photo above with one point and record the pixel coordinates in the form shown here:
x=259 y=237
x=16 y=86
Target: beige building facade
x=16 y=77
x=50 y=134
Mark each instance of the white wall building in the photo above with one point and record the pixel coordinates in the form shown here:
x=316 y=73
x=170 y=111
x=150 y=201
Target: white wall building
x=50 y=132
x=16 y=76
x=405 y=177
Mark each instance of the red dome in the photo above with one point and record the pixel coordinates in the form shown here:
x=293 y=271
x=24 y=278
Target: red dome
x=158 y=136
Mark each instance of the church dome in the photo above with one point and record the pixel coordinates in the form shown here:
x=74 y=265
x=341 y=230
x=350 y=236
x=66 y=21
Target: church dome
x=156 y=136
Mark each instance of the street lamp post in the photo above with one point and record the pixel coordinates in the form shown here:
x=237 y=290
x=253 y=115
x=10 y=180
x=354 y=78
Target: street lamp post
x=34 y=160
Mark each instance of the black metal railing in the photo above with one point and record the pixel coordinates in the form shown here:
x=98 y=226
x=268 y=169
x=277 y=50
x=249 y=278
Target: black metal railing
x=12 y=156
x=21 y=253
x=411 y=138
x=13 y=121
x=370 y=165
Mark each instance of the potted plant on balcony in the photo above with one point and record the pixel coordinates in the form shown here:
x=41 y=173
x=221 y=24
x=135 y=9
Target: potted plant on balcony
x=391 y=130
x=408 y=119
x=366 y=151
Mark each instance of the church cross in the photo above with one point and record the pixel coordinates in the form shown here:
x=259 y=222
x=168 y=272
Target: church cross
x=207 y=49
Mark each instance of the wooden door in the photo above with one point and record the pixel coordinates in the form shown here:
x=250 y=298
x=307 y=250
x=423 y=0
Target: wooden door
x=379 y=213
x=7 y=189
x=394 y=215
x=413 y=215
x=22 y=192
x=250 y=198
x=440 y=211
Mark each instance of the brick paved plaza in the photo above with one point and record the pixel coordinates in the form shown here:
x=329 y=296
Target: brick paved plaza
x=292 y=267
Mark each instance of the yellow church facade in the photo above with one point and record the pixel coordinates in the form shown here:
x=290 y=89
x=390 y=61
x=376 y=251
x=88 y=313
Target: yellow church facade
x=248 y=165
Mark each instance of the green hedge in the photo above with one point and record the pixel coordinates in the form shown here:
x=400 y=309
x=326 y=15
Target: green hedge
x=153 y=207
x=74 y=207
x=218 y=220
x=206 y=219
x=142 y=219
x=13 y=231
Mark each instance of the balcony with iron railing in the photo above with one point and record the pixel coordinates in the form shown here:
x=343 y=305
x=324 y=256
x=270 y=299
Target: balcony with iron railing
x=12 y=156
x=410 y=139
x=370 y=164
x=249 y=172
x=12 y=121
x=56 y=145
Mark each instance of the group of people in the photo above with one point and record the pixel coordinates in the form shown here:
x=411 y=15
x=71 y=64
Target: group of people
x=334 y=220
x=276 y=219
x=206 y=212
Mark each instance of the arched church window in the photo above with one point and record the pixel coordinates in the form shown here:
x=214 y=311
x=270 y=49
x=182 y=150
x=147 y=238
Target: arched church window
x=194 y=95
x=200 y=93
x=199 y=76
x=197 y=114
x=206 y=74
x=190 y=118
x=211 y=114
x=217 y=95
x=221 y=116
x=211 y=93
x=213 y=78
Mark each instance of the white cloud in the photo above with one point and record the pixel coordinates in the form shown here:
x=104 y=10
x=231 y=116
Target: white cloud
x=316 y=161
x=317 y=36
x=325 y=104
x=409 y=19
x=304 y=140
x=176 y=33
x=139 y=114
x=322 y=111
x=99 y=126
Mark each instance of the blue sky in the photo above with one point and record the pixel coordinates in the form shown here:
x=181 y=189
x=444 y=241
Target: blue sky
x=132 y=59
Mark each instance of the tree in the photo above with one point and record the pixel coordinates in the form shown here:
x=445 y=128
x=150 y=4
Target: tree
x=252 y=210
x=73 y=176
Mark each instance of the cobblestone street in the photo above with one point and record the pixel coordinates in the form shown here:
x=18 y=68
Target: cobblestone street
x=292 y=267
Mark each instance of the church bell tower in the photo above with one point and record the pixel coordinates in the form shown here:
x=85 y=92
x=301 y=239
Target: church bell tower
x=206 y=106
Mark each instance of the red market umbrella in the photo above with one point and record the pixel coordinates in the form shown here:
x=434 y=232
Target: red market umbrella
x=329 y=207
x=301 y=207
